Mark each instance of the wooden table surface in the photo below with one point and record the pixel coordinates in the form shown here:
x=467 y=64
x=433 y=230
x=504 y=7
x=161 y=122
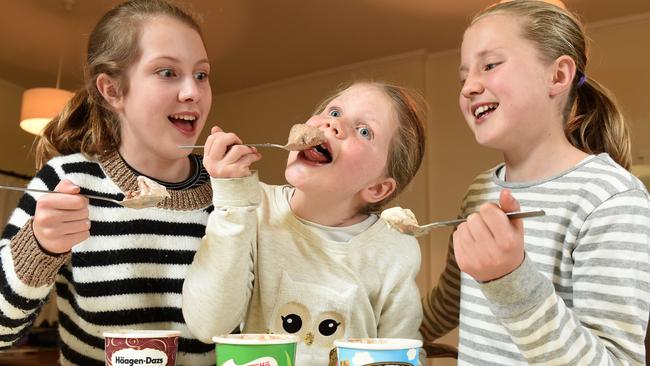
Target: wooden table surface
x=29 y=356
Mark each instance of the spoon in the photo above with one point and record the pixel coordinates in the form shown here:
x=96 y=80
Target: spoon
x=406 y=223
x=139 y=202
x=301 y=137
x=288 y=147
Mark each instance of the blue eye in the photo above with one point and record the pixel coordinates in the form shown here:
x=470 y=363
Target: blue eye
x=335 y=113
x=491 y=66
x=365 y=132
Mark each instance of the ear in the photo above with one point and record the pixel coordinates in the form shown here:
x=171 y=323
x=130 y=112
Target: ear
x=379 y=190
x=109 y=88
x=563 y=72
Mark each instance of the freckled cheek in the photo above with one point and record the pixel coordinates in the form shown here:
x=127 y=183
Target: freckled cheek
x=207 y=97
x=206 y=111
x=462 y=103
x=368 y=161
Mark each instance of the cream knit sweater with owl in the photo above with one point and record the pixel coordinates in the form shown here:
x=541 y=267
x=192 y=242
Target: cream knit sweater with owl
x=260 y=266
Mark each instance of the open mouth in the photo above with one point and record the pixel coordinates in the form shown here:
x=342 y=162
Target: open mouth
x=484 y=110
x=183 y=122
x=318 y=154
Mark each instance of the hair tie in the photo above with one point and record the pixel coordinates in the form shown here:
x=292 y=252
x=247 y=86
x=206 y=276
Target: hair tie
x=582 y=79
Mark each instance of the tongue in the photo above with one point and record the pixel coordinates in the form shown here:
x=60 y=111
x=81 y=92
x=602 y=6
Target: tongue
x=182 y=124
x=315 y=156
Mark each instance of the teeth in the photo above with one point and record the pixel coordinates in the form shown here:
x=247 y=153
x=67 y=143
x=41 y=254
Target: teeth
x=183 y=117
x=484 y=108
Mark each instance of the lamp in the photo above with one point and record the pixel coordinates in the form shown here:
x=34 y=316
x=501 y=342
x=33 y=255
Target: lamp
x=39 y=106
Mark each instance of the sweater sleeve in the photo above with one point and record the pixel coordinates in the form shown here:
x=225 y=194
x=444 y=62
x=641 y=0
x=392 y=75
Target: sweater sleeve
x=606 y=324
x=219 y=283
x=27 y=273
x=442 y=304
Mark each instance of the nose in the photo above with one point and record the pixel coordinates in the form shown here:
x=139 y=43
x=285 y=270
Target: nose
x=334 y=126
x=471 y=86
x=327 y=123
x=189 y=91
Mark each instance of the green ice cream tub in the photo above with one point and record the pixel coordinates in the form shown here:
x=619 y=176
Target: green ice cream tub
x=256 y=349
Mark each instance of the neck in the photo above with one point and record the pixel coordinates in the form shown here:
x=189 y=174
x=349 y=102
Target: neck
x=542 y=161
x=325 y=209
x=170 y=170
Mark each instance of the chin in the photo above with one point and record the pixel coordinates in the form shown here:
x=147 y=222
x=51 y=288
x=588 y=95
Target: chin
x=292 y=178
x=297 y=176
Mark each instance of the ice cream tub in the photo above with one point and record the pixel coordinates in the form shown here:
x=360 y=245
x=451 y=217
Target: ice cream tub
x=255 y=349
x=141 y=347
x=377 y=351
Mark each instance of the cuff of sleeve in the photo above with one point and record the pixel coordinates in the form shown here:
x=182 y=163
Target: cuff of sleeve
x=517 y=292
x=33 y=266
x=236 y=192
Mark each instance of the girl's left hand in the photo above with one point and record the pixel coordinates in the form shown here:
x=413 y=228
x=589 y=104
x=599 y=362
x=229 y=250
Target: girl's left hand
x=489 y=245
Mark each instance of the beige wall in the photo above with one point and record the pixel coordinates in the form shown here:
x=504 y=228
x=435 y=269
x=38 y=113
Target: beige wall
x=16 y=144
x=265 y=113
x=619 y=60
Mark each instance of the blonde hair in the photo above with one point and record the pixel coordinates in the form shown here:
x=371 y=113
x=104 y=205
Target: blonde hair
x=593 y=122
x=408 y=145
x=87 y=123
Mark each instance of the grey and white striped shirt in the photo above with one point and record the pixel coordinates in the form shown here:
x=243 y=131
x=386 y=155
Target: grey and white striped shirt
x=581 y=296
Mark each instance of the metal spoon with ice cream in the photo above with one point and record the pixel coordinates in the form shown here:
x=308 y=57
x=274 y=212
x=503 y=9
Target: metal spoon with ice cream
x=301 y=137
x=148 y=194
x=404 y=221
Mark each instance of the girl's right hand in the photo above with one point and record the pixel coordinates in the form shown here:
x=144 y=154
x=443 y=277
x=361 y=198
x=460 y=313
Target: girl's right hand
x=61 y=220
x=224 y=156
x=488 y=245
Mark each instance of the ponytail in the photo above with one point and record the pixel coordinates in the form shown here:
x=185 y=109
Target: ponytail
x=594 y=122
x=597 y=124
x=85 y=125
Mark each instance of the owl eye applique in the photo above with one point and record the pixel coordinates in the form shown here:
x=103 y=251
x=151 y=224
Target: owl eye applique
x=294 y=318
x=291 y=323
x=328 y=327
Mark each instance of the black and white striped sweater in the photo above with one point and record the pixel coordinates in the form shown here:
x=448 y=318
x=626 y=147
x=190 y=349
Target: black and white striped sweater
x=128 y=274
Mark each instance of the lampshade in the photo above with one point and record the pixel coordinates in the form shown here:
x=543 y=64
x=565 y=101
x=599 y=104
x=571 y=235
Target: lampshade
x=39 y=106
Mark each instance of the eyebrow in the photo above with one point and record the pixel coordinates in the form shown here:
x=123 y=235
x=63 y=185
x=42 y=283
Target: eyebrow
x=480 y=55
x=174 y=59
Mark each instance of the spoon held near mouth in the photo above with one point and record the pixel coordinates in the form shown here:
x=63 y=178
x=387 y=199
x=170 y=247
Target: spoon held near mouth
x=301 y=137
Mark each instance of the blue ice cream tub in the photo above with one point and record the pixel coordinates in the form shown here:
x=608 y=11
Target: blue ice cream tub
x=378 y=351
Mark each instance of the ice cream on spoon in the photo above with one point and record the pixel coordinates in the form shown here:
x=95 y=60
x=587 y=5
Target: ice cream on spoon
x=301 y=137
x=148 y=194
x=401 y=219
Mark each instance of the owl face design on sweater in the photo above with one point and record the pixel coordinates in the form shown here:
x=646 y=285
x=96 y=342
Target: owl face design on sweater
x=316 y=314
x=310 y=328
